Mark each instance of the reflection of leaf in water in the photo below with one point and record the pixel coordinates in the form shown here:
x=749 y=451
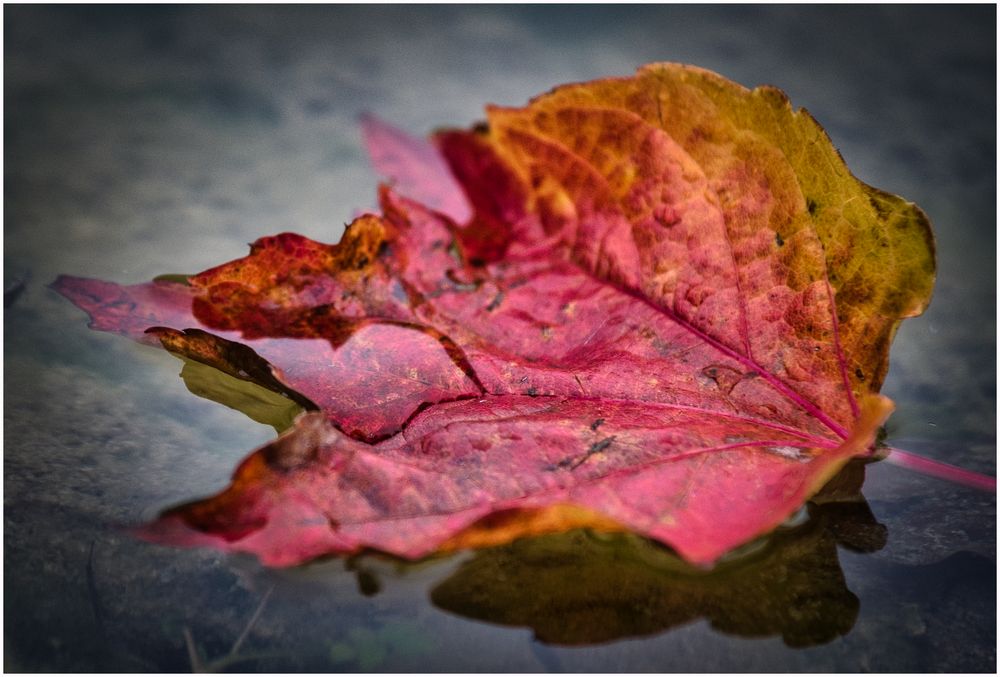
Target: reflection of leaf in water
x=578 y=588
x=260 y=404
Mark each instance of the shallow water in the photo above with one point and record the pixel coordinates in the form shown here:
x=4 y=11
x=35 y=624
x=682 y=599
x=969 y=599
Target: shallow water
x=141 y=142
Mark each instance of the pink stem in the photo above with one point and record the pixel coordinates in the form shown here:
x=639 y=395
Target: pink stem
x=944 y=471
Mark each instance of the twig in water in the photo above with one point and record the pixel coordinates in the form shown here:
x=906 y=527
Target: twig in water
x=218 y=664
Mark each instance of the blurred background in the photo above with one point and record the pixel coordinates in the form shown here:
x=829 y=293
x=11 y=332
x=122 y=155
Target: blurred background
x=148 y=140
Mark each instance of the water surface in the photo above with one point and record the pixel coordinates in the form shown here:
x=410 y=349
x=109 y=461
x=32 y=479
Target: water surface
x=148 y=141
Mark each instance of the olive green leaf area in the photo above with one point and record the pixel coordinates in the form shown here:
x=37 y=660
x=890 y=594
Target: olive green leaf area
x=580 y=588
x=258 y=403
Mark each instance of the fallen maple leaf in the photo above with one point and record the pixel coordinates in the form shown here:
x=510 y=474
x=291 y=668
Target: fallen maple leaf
x=669 y=312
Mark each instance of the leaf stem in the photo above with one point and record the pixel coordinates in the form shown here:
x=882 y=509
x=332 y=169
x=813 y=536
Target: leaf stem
x=942 y=471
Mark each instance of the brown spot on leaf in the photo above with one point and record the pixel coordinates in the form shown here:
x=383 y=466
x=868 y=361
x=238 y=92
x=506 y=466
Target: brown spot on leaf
x=289 y=452
x=361 y=243
x=724 y=377
x=495 y=303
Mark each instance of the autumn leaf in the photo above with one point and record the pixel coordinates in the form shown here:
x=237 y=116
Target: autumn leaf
x=663 y=305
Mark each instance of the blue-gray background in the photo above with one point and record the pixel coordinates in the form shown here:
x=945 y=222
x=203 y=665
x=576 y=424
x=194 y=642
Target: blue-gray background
x=141 y=141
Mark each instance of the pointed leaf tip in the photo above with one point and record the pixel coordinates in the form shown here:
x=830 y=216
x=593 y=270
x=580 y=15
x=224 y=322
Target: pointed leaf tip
x=414 y=168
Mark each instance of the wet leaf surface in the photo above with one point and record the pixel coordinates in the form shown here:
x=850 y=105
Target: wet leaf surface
x=669 y=313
